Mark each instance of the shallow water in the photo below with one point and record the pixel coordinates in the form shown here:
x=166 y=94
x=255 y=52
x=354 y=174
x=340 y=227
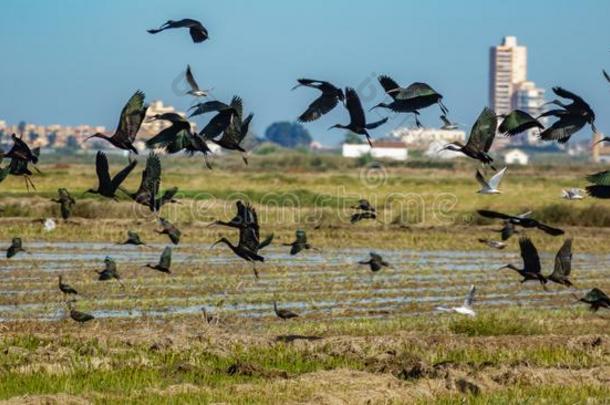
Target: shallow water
x=314 y=283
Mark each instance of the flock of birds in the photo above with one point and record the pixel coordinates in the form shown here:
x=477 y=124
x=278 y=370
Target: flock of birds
x=228 y=127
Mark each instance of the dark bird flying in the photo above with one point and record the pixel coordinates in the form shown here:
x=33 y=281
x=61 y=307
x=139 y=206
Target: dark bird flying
x=531 y=270
x=518 y=121
x=197 y=31
x=107 y=187
x=148 y=192
x=66 y=203
x=15 y=247
x=133 y=239
x=169 y=229
x=563 y=265
x=601 y=185
x=596 y=299
x=328 y=100
x=571 y=117
x=480 y=140
x=300 y=243
x=165 y=262
x=375 y=262
x=522 y=221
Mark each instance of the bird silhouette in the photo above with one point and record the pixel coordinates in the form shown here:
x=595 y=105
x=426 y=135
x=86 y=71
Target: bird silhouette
x=359 y=216
x=518 y=121
x=15 y=247
x=78 y=316
x=300 y=243
x=596 y=299
x=147 y=193
x=480 y=140
x=375 y=262
x=328 y=100
x=130 y=122
x=491 y=186
x=195 y=90
x=197 y=31
x=133 y=238
x=523 y=221
x=108 y=187
x=66 y=289
x=236 y=131
x=169 y=229
x=364 y=205
x=66 y=203
x=21 y=156
x=563 y=265
x=601 y=185
x=358 y=124
x=110 y=272
x=571 y=117
x=531 y=270
x=283 y=314
x=165 y=261
x=466 y=308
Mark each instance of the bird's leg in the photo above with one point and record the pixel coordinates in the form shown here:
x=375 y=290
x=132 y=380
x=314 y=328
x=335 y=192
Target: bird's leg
x=417 y=122
x=255 y=271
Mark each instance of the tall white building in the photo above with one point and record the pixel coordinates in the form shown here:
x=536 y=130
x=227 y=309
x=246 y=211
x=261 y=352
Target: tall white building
x=507 y=68
x=529 y=98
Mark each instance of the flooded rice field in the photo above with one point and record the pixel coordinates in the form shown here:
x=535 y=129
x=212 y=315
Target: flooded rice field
x=316 y=284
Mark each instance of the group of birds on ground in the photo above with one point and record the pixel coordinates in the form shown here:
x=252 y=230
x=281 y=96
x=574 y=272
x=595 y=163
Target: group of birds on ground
x=228 y=127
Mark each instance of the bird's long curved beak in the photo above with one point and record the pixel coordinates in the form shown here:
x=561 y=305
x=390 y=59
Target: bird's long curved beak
x=503 y=267
x=214 y=244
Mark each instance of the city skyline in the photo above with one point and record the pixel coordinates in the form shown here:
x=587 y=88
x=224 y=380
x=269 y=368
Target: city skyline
x=73 y=56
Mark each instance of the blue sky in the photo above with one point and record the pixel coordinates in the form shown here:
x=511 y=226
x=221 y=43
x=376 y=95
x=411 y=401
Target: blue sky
x=73 y=62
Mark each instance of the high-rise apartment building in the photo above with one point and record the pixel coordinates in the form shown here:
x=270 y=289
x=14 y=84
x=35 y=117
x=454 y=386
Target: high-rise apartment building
x=508 y=68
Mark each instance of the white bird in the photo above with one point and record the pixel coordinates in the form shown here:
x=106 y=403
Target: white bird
x=573 y=194
x=466 y=308
x=195 y=90
x=491 y=186
x=49 y=224
x=448 y=125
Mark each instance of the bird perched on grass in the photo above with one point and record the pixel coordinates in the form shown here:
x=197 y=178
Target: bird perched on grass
x=165 y=262
x=300 y=242
x=364 y=205
x=571 y=117
x=494 y=244
x=15 y=247
x=283 y=314
x=523 y=221
x=480 y=140
x=66 y=289
x=148 y=192
x=197 y=31
x=572 y=194
x=466 y=308
x=108 y=187
x=531 y=270
x=110 y=272
x=563 y=265
x=169 y=229
x=359 y=216
x=78 y=316
x=133 y=238
x=375 y=262
x=491 y=186
x=195 y=90
x=596 y=299
x=517 y=122
x=601 y=185
x=328 y=100
x=130 y=122
x=66 y=203
x=358 y=124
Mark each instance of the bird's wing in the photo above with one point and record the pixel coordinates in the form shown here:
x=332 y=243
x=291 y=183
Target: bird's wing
x=518 y=121
x=481 y=179
x=606 y=75
x=208 y=106
x=219 y=123
x=245 y=127
x=199 y=34
x=122 y=175
x=600 y=179
x=166 y=258
x=354 y=106
x=419 y=89
x=483 y=131
x=389 y=85
x=320 y=106
x=563 y=260
x=470 y=297
x=529 y=253
x=550 y=230
x=561 y=92
x=508 y=230
x=445 y=120
x=564 y=128
x=132 y=117
x=493 y=214
x=373 y=125
x=237 y=105
x=102 y=169
x=167 y=136
x=191 y=79
x=599 y=191
x=151 y=177
x=266 y=242
x=495 y=181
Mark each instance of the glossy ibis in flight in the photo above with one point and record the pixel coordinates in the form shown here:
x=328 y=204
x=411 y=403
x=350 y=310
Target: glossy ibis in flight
x=133 y=239
x=300 y=243
x=466 y=308
x=571 y=117
x=108 y=187
x=358 y=124
x=21 y=151
x=165 y=261
x=78 y=316
x=197 y=31
x=328 y=100
x=523 y=221
x=491 y=186
x=169 y=229
x=531 y=270
x=480 y=140
x=283 y=314
x=66 y=289
x=15 y=247
x=242 y=219
x=601 y=185
x=110 y=272
x=596 y=299
x=375 y=262
x=237 y=130
x=66 y=202
x=518 y=121
x=563 y=265
x=195 y=90
x=130 y=122
x=147 y=193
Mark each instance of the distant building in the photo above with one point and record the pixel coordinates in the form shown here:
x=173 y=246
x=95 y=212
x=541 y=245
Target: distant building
x=516 y=157
x=382 y=149
x=507 y=67
x=422 y=138
x=600 y=152
x=152 y=128
x=529 y=98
